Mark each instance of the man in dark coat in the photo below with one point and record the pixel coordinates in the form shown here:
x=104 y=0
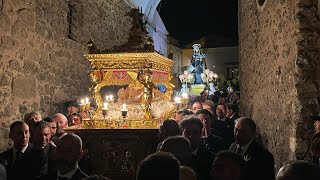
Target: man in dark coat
x=24 y=160
x=201 y=157
x=232 y=113
x=259 y=161
x=212 y=142
x=69 y=152
x=42 y=139
x=222 y=126
x=168 y=128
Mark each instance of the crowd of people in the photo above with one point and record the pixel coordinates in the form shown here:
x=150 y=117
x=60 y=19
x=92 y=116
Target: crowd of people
x=43 y=150
x=206 y=141
x=215 y=143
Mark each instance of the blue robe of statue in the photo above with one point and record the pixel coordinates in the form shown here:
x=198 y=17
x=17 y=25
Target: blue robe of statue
x=197 y=66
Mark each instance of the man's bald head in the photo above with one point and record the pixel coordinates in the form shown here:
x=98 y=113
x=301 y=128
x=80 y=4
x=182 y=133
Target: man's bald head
x=299 y=170
x=73 y=140
x=61 y=120
x=248 y=122
x=244 y=130
x=69 y=152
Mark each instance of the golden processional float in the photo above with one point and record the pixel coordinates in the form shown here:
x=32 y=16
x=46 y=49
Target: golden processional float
x=130 y=84
x=130 y=95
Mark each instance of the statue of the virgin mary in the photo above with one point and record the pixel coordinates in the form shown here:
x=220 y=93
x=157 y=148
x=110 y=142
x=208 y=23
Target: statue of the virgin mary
x=198 y=63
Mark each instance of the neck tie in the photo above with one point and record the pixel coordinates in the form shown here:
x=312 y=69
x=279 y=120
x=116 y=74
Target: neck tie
x=17 y=158
x=239 y=150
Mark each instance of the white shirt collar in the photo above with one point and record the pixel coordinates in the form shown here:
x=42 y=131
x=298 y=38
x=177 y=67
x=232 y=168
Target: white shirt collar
x=22 y=150
x=69 y=174
x=244 y=147
x=223 y=119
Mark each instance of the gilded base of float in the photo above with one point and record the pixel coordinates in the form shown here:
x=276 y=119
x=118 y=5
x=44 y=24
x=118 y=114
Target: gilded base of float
x=120 y=124
x=126 y=123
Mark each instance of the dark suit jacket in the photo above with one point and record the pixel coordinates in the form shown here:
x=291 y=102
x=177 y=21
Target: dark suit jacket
x=223 y=129
x=78 y=175
x=214 y=143
x=50 y=150
x=259 y=162
x=33 y=163
x=202 y=162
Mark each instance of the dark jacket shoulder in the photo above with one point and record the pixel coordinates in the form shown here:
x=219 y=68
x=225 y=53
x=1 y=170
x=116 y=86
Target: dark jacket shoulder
x=214 y=143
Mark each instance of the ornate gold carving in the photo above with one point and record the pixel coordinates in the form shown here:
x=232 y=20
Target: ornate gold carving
x=122 y=69
x=130 y=61
x=113 y=124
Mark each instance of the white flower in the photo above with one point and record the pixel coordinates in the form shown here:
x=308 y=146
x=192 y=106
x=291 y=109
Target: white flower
x=207 y=71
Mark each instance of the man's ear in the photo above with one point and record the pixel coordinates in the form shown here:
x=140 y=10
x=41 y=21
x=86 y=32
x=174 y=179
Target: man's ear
x=80 y=155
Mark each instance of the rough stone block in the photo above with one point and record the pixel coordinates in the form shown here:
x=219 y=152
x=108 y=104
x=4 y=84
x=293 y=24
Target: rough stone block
x=277 y=66
x=30 y=67
x=23 y=108
x=25 y=87
x=4 y=80
x=8 y=42
x=34 y=106
x=8 y=111
x=14 y=65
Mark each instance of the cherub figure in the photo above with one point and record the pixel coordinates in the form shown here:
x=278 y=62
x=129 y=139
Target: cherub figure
x=145 y=77
x=96 y=77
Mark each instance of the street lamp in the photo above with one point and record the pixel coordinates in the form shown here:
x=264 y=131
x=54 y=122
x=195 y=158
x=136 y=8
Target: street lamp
x=209 y=77
x=186 y=78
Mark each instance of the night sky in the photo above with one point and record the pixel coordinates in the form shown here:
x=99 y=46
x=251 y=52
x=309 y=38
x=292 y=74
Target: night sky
x=189 y=20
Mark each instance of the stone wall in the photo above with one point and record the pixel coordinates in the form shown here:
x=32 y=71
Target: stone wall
x=279 y=52
x=41 y=57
